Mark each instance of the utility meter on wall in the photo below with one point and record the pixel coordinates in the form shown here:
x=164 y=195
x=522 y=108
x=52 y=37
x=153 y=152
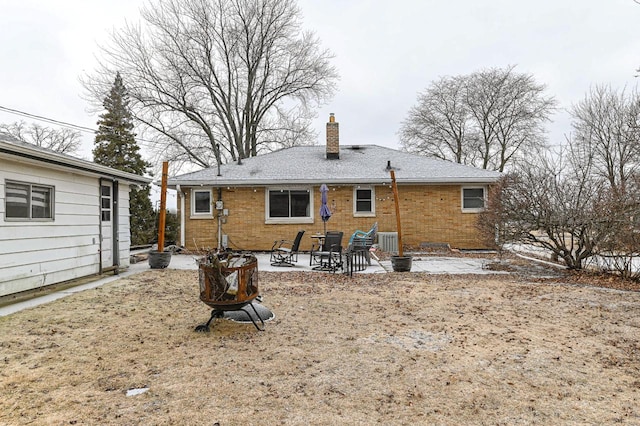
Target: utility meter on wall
x=219 y=205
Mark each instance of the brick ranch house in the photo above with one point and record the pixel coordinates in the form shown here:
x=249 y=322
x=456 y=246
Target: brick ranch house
x=247 y=206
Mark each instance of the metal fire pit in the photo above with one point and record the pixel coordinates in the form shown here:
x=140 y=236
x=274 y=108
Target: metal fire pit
x=229 y=283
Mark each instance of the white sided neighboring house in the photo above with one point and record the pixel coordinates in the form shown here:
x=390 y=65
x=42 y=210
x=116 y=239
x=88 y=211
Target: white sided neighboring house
x=61 y=217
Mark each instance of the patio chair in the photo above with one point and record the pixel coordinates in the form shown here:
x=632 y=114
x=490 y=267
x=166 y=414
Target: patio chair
x=285 y=252
x=328 y=256
x=363 y=241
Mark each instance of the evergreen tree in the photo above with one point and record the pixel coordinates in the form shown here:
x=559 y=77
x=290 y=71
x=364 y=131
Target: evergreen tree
x=115 y=146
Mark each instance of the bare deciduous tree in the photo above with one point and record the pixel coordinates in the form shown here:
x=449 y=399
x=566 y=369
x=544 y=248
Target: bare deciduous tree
x=607 y=123
x=65 y=141
x=204 y=74
x=621 y=252
x=440 y=124
x=560 y=204
x=510 y=111
x=557 y=204
x=584 y=202
x=486 y=119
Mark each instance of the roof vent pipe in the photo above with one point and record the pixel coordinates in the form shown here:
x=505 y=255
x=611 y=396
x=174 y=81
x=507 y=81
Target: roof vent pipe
x=218 y=157
x=388 y=164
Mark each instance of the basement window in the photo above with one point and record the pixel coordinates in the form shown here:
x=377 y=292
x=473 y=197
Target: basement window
x=27 y=201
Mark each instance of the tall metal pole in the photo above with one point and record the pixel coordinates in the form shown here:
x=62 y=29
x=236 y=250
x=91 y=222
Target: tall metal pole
x=163 y=206
x=397 y=203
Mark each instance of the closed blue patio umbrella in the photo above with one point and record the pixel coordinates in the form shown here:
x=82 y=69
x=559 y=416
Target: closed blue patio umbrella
x=325 y=213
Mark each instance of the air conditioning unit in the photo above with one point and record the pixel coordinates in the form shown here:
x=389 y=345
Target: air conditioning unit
x=388 y=241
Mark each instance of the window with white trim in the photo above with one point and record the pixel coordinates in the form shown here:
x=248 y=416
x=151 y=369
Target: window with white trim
x=473 y=199
x=364 y=203
x=105 y=203
x=27 y=201
x=201 y=204
x=289 y=205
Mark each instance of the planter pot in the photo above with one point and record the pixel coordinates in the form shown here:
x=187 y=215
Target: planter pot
x=401 y=263
x=159 y=260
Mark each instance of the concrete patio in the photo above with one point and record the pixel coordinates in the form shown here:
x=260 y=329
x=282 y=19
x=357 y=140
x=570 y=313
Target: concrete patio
x=426 y=264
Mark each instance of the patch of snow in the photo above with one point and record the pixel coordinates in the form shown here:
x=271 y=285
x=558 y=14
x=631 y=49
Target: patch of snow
x=137 y=391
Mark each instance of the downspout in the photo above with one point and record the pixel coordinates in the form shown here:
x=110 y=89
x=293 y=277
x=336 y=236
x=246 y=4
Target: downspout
x=219 y=199
x=219 y=216
x=115 y=224
x=182 y=217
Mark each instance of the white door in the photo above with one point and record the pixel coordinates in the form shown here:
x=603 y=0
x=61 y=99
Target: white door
x=106 y=224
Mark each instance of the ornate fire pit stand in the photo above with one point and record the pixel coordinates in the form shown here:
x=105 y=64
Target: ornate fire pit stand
x=229 y=282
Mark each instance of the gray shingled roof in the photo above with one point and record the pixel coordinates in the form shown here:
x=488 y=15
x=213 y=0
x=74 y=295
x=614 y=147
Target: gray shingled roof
x=11 y=146
x=358 y=164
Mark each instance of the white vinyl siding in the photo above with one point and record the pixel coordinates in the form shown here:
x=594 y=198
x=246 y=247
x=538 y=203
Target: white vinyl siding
x=37 y=253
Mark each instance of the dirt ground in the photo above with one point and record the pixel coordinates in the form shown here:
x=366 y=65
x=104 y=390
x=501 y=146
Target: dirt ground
x=528 y=347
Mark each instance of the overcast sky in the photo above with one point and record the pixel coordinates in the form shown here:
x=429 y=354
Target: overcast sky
x=386 y=52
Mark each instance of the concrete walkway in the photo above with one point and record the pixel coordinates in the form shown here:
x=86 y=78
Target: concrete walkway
x=445 y=265
x=428 y=264
x=40 y=300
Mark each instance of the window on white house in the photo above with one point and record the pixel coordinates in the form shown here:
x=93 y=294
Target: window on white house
x=105 y=203
x=26 y=201
x=289 y=205
x=201 y=202
x=473 y=199
x=363 y=201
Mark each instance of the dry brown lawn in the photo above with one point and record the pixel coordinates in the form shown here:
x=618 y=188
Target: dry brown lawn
x=389 y=349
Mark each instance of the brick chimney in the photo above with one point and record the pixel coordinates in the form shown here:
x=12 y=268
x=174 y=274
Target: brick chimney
x=333 y=139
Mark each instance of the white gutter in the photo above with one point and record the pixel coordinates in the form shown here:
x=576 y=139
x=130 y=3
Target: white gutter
x=35 y=155
x=350 y=181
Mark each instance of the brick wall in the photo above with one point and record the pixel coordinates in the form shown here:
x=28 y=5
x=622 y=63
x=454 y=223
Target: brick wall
x=429 y=214
x=333 y=139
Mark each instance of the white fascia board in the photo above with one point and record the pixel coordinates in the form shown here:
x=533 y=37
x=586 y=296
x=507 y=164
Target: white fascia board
x=65 y=162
